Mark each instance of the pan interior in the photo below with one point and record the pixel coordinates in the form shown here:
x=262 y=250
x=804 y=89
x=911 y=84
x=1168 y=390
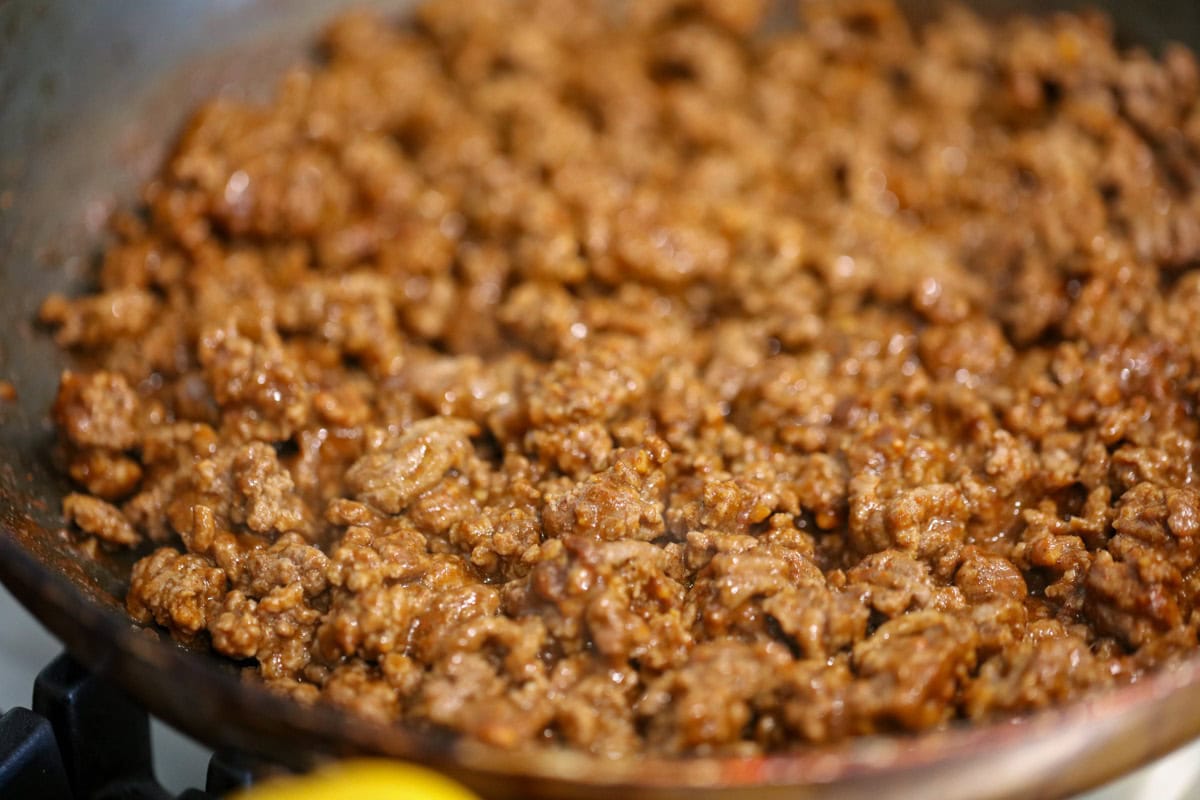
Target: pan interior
x=75 y=142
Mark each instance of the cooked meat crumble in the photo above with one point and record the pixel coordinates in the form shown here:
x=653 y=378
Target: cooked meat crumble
x=642 y=382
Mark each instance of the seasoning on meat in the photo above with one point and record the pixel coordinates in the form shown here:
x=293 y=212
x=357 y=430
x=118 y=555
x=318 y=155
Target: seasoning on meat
x=100 y=519
x=642 y=382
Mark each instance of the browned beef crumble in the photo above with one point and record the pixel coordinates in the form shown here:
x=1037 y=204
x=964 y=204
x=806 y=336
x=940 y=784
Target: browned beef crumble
x=641 y=383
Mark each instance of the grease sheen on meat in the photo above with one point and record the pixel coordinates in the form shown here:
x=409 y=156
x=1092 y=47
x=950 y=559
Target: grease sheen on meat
x=640 y=382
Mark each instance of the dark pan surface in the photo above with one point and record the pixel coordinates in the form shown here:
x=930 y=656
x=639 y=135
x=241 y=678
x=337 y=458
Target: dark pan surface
x=90 y=95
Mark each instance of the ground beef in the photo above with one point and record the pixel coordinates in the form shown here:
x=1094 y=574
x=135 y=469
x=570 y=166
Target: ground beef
x=643 y=381
x=100 y=519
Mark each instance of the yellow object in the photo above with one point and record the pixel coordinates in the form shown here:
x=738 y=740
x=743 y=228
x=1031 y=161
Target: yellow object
x=361 y=780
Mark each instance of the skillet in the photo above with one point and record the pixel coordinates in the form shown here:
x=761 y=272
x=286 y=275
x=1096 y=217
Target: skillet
x=91 y=94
